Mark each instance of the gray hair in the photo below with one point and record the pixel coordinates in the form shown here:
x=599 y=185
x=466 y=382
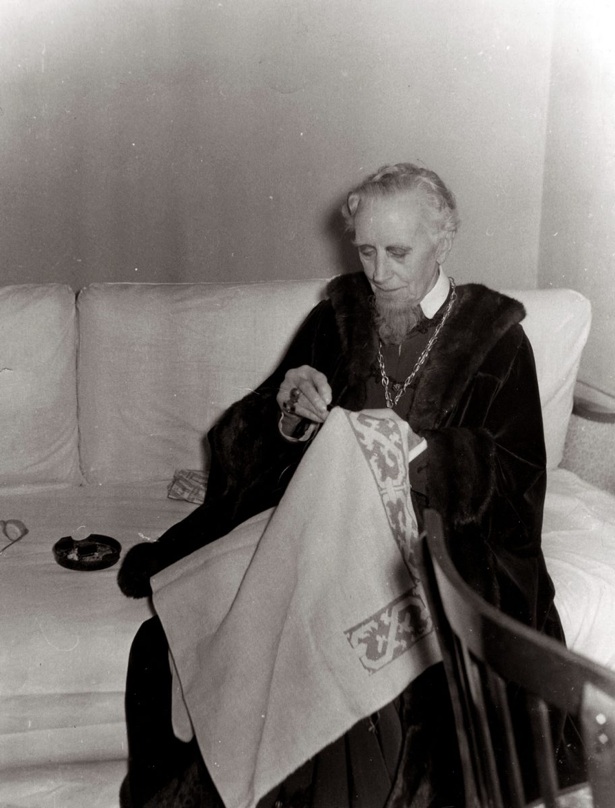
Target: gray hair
x=439 y=203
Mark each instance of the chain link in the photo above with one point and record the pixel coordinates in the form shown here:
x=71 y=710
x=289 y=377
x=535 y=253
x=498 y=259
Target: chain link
x=386 y=382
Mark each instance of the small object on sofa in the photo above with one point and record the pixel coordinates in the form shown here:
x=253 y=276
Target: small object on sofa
x=188 y=484
x=95 y=552
x=14 y=530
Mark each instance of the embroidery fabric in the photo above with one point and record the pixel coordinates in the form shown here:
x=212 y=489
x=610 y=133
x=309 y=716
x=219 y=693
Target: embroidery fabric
x=394 y=629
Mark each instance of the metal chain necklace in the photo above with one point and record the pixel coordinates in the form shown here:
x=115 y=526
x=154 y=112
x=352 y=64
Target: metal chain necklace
x=400 y=389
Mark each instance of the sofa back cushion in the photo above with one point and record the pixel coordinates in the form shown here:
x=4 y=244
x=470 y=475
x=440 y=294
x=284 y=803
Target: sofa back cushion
x=38 y=399
x=557 y=324
x=159 y=363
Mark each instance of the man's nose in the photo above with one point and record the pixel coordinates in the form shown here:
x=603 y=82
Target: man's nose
x=381 y=270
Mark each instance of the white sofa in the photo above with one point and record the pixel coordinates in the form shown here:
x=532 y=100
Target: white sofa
x=103 y=395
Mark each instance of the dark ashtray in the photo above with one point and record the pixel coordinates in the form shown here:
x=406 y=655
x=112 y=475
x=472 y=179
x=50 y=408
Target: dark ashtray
x=95 y=552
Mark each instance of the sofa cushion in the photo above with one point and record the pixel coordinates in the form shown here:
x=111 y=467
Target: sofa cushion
x=557 y=325
x=160 y=362
x=38 y=401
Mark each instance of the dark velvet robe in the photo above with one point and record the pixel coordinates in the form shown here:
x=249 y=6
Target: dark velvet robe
x=475 y=401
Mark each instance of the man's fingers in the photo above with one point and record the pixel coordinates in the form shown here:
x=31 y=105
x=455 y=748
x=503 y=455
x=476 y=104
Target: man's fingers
x=318 y=389
x=323 y=387
x=314 y=393
x=303 y=400
x=306 y=410
x=310 y=397
x=305 y=392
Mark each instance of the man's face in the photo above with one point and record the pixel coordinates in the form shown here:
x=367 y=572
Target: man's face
x=399 y=255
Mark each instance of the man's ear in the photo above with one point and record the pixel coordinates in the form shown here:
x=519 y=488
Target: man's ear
x=445 y=243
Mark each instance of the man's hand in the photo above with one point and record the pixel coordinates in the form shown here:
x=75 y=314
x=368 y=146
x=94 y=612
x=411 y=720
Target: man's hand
x=306 y=393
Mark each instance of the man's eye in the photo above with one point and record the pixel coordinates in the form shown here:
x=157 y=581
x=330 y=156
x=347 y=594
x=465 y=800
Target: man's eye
x=398 y=253
x=366 y=252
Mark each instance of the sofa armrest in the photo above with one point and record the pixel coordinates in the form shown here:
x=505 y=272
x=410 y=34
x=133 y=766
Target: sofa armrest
x=590 y=443
x=590 y=411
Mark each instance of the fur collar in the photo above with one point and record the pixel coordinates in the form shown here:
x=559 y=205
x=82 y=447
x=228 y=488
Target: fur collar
x=479 y=319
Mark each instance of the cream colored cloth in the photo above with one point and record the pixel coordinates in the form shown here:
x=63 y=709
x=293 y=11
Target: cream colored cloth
x=305 y=619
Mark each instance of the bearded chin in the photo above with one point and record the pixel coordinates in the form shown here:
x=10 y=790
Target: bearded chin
x=394 y=319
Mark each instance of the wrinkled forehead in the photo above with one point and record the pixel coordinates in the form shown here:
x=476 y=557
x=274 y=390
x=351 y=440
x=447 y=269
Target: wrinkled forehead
x=390 y=217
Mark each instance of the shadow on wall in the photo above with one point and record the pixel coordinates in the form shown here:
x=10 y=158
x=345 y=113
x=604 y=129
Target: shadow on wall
x=334 y=228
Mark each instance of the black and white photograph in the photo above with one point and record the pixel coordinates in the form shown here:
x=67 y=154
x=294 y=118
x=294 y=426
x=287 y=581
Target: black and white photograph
x=307 y=404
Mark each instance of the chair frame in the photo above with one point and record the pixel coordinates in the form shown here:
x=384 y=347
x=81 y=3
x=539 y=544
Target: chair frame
x=484 y=652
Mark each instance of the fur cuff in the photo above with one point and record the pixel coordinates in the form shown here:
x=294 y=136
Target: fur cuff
x=140 y=563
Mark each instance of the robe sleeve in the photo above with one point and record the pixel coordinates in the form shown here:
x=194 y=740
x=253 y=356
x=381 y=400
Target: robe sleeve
x=486 y=474
x=492 y=449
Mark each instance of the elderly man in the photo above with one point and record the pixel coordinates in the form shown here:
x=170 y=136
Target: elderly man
x=452 y=361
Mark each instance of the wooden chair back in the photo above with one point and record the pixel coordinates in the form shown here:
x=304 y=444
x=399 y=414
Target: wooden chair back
x=501 y=674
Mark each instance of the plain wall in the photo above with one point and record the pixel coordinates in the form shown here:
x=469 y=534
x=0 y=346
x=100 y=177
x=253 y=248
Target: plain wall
x=578 y=230
x=185 y=140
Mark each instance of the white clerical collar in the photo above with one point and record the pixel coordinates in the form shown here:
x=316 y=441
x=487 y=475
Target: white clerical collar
x=434 y=299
